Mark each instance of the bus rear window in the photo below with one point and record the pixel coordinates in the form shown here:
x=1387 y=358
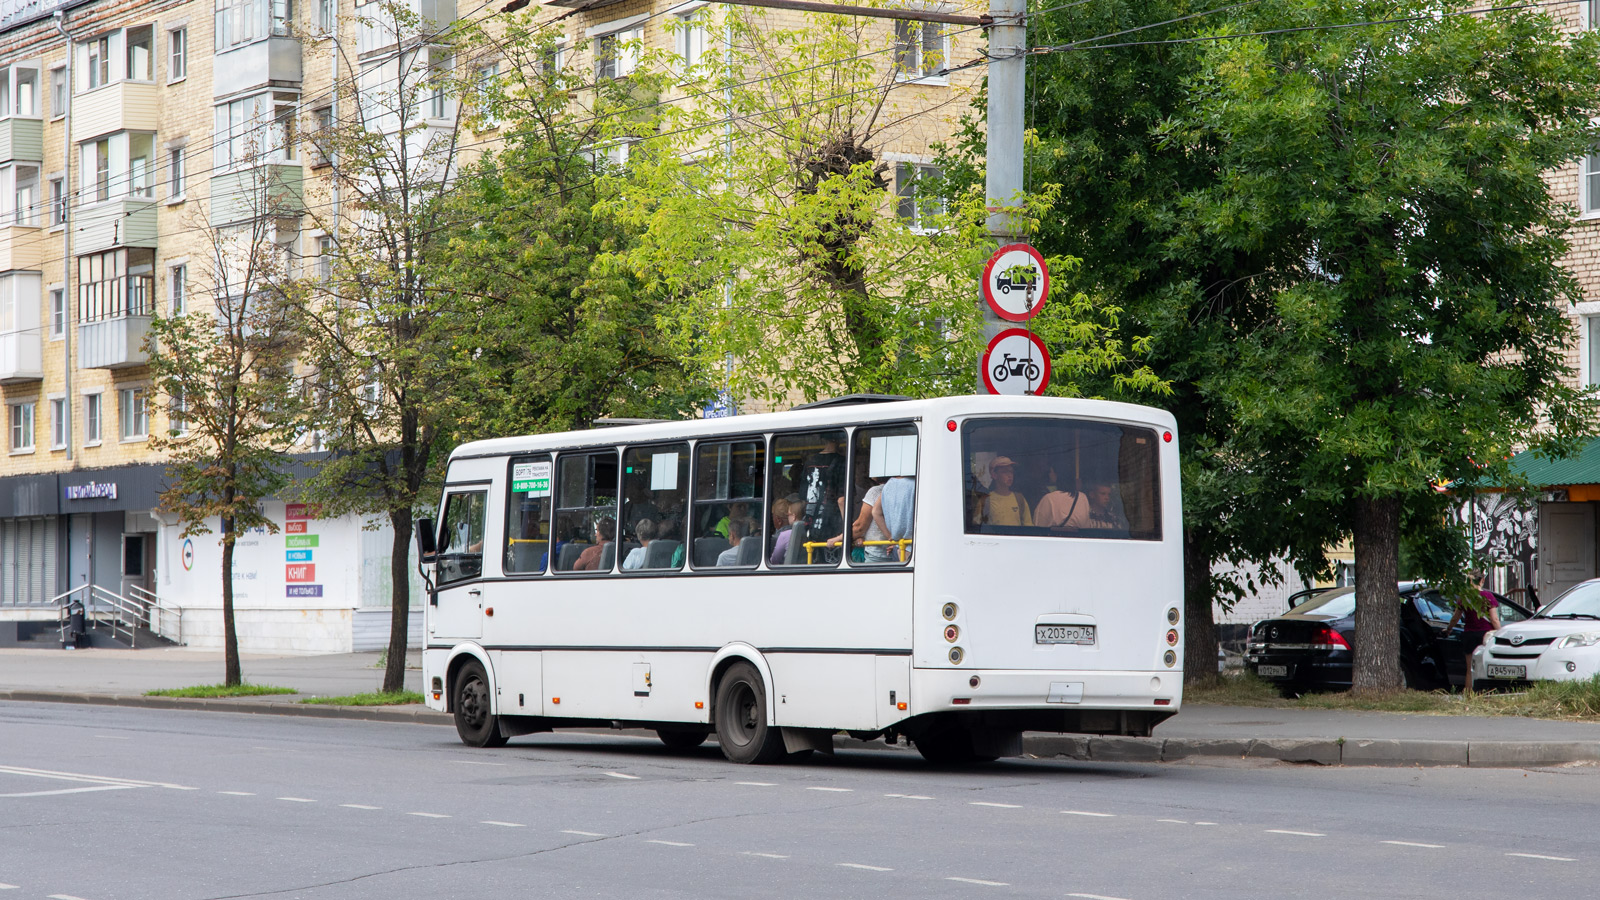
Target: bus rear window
x=1061 y=478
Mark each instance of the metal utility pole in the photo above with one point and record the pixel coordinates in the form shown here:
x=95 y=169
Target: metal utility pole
x=1008 y=44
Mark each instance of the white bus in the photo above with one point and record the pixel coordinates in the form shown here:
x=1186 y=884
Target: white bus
x=952 y=572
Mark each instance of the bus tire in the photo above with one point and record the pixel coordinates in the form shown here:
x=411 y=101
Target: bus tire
x=949 y=746
x=471 y=702
x=678 y=739
x=742 y=728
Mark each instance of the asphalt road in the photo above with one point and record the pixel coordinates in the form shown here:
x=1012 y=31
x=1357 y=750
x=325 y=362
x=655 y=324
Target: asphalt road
x=105 y=803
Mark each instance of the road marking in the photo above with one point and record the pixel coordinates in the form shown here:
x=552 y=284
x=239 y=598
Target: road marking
x=1094 y=897
x=237 y=793
x=865 y=867
x=979 y=881
x=1538 y=856
x=1173 y=821
x=908 y=796
x=765 y=855
x=475 y=762
x=1205 y=823
x=112 y=737
x=1296 y=833
x=995 y=805
x=756 y=783
x=10 y=887
x=64 y=897
x=87 y=779
x=297 y=799
x=1415 y=844
x=429 y=815
x=620 y=775
x=82 y=790
x=833 y=789
x=1079 y=812
x=502 y=824
x=359 y=806
x=669 y=843
x=583 y=833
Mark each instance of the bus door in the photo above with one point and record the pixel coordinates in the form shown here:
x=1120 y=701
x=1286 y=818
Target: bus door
x=455 y=610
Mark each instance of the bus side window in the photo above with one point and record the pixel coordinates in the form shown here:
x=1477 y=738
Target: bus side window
x=586 y=512
x=528 y=516
x=655 y=491
x=727 y=515
x=809 y=474
x=883 y=488
x=461 y=556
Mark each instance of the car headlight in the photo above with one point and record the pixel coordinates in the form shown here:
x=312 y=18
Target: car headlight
x=1585 y=639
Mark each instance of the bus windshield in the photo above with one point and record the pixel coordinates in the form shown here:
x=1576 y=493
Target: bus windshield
x=1061 y=478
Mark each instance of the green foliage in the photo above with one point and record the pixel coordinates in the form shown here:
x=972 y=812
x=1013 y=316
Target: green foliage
x=221 y=690
x=378 y=698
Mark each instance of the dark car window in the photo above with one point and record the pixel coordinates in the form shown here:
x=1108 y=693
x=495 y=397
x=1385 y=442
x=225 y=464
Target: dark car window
x=1335 y=603
x=1434 y=607
x=1510 y=613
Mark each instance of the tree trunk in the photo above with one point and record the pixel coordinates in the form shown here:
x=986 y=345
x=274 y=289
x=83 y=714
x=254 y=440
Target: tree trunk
x=1377 y=652
x=1199 y=629
x=230 y=635
x=394 y=673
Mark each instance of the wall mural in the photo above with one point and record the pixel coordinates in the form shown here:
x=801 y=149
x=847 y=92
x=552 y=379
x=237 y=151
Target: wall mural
x=1504 y=530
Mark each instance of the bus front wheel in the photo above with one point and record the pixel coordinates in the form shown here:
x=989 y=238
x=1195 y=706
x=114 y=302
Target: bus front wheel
x=742 y=727
x=477 y=726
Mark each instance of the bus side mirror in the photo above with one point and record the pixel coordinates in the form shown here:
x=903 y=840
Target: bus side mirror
x=425 y=545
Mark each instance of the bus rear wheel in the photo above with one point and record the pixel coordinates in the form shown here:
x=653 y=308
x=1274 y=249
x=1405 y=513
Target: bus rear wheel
x=742 y=727
x=474 y=723
x=677 y=739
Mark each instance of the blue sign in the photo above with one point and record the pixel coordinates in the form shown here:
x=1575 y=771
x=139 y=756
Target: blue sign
x=299 y=556
x=305 y=590
x=722 y=407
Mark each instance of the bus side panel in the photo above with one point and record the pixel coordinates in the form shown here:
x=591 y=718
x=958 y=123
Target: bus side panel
x=824 y=690
x=894 y=688
x=519 y=688
x=637 y=685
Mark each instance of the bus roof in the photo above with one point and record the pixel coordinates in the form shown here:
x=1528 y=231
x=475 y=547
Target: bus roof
x=854 y=414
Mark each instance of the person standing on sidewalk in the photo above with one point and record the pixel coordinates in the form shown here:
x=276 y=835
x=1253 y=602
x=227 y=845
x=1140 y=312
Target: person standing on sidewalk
x=1473 y=626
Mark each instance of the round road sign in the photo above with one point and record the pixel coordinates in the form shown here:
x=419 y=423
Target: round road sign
x=1016 y=363
x=1016 y=282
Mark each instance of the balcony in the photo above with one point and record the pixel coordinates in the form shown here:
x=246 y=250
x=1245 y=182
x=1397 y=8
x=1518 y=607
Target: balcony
x=21 y=343
x=114 y=343
x=21 y=356
x=21 y=247
x=273 y=62
x=115 y=223
x=122 y=106
x=21 y=138
x=270 y=189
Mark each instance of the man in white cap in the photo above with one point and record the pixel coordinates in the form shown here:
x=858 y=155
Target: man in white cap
x=1002 y=506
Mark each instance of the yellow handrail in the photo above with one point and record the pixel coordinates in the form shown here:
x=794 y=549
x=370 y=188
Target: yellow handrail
x=901 y=544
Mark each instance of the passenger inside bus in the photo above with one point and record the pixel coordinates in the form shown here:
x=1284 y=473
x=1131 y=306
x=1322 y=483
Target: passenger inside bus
x=645 y=531
x=1002 y=506
x=897 y=509
x=780 y=547
x=738 y=530
x=605 y=533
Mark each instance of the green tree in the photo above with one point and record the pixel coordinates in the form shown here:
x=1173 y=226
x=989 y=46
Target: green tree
x=1389 y=179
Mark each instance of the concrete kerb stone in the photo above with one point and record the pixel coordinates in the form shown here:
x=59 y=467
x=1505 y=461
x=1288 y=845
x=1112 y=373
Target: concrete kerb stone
x=1297 y=750
x=1403 y=753
x=1125 y=749
x=1516 y=754
x=416 y=714
x=1180 y=748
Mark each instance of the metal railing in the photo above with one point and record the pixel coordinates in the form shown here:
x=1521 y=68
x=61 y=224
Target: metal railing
x=165 y=619
x=124 y=616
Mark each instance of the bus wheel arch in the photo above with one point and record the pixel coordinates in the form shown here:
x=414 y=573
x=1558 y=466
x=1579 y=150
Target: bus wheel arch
x=730 y=656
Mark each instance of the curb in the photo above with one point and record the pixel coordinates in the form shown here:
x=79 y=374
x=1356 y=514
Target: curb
x=1313 y=751
x=1339 y=752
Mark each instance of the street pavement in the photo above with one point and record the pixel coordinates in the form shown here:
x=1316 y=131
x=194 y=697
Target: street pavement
x=113 y=803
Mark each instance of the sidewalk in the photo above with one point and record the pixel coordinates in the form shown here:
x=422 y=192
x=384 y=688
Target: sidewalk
x=121 y=677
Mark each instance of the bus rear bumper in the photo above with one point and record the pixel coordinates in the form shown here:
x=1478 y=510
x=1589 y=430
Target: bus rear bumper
x=958 y=690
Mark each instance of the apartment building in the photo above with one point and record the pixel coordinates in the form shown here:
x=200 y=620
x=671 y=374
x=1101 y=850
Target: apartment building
x=122 y=133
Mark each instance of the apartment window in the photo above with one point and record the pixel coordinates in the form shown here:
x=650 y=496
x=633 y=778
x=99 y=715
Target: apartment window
x=141 y=61
x=616 y=55
x=178 y=290
x=439 y=66
x=918 y=204
x=132 y=414
x=555 y=60
x=1591 y=183
x=58 y=423
x=99 y=61
x=58 y=200
x=322 y=137
x=324 y=259
x=691 y=40
x=282 y=16
x=177 y=54
x=100 y=153
x=488 y=78
x=21 y=427
x=1591 y=10
x=175 y=173
x=58 y=91
x=19 y=91
x=254 y=129
x=92 y=408
x=177 y=415
x=114 y=284
x=327 y=12
x=919 y=50
x=24 y=191
x=58 y=313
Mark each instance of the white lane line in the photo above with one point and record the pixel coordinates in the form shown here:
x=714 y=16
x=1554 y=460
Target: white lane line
x=669 y=843
x=756 y=783
x=620 y=775
x=297 y=799
x=908 y=796
x=979 y=881
x=1094 y=897
x=82 y=790
x=1539 y=856
x=1295 y=833
x=833 y=789
x=428 y=815
x=359 y=806
x=995 y=805
x=474 y=762
x=582 y=833
x=88 y=779
x=1079 y=812
x=10 y=887
x=64 y=897
x=237 y=793
x=1205 y=823
x=112 y=737
x=502 y=824
x=1414 y=844
x=765 y=855
x=1173 y=821
x=865 y=867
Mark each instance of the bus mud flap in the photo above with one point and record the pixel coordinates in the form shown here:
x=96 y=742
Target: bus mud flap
x=797 y=739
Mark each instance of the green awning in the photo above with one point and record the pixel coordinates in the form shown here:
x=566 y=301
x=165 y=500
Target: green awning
x=1582 y=467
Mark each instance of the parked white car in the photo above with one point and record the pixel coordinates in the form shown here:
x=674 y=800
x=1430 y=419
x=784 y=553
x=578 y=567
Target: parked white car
x=1561 y=642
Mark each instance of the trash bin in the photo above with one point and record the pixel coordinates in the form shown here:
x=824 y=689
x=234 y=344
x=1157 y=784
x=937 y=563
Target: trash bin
x=75 y=627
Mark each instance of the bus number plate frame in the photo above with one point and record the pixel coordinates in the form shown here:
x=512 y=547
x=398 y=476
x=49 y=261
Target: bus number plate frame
x=1064 y=634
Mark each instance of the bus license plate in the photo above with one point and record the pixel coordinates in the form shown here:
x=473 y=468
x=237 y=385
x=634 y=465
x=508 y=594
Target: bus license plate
x=1508 y=671
x=1063 y=634
x=1272 y=671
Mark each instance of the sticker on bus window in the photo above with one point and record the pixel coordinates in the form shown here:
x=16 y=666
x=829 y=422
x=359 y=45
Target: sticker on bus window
x=892 y=456
x=663 y=471
x=532 y=479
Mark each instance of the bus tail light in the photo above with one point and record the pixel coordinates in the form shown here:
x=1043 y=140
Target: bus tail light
x=1172 y=637
x=949 y=611
x=1170 y=658
x=961 y=701
x=956 y=655
x=950 y=425
x=952 y=632
x=1172 y=616
x=1163 y=701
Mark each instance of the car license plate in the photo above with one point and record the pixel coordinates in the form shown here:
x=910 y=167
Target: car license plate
x=1063 y=634
x=1272 y=671
x=1508 y=671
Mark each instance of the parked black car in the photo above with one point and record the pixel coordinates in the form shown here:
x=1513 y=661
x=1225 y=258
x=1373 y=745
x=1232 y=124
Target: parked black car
x=1309 y=647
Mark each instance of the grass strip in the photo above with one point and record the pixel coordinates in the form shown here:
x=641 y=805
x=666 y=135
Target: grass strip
x=1568 y=700
x=221 y=690
x=376 y=698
